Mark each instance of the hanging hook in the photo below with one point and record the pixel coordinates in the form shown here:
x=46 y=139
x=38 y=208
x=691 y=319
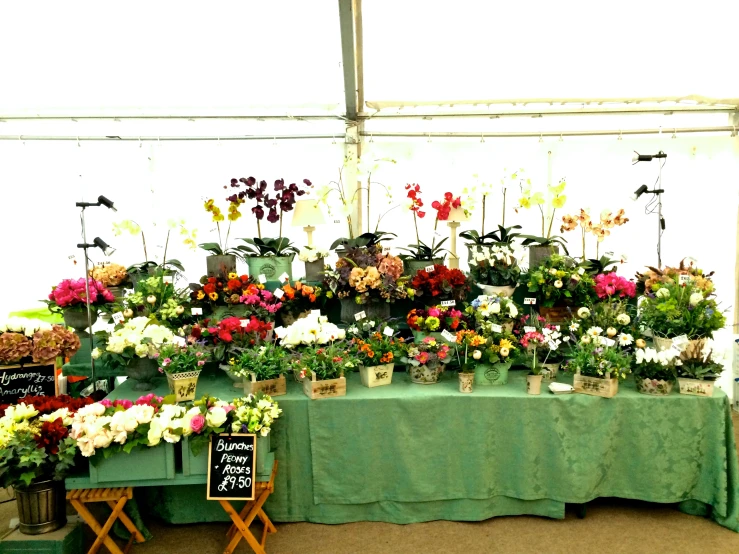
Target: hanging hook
x=482 y=137
x=139 y=142
x=620 y=135
x=333 y=140
x=78 y=142
x=560 y=138
x=733 y=131
x=428 y=137
x=372 y=138
x=674 y=132
x=541 y=137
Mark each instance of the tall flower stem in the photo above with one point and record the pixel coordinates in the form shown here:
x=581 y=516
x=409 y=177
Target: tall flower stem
x=218 y=226
x=542 y=219
x=259 y=229
x=143 y=239
x=583 y=241
x=415 y=223
x=504 y=191
x=228 y=232
x=484 y=197
x=549 y=231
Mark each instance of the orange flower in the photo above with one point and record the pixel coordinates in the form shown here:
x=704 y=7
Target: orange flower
x=312 y=297
x=371 y=354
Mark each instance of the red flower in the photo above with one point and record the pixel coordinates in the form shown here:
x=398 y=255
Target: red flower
x=234 y=284
x=209 y=288
x=52 y=433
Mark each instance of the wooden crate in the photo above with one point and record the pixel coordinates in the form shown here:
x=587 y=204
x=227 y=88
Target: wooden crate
x=142 y=464
x=326 y=388
x=376 y=375
x=273 y=387
x=606 y=388
x=695 y=387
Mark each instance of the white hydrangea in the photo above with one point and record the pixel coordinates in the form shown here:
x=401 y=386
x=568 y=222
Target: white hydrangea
x=309 y=330
x=312 y=254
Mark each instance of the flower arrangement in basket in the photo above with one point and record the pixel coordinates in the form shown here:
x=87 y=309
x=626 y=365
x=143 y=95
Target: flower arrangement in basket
x=559 y=281
x=495 y=266
x=426 y=359
x=440 y=284
x=697 y=373
x=27 y=340
x=265 y=365
x=182 y=364
x=157 y=298
x=655 y=372
x=35 y=444
x=251 y=298
x=70 y=295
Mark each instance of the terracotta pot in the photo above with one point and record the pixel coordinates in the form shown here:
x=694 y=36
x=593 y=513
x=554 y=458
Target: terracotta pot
x=465 y=381
x=533 y=384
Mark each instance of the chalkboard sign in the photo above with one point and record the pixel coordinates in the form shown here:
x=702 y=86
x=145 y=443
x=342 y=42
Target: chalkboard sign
x=231 y=467
x=17 y=381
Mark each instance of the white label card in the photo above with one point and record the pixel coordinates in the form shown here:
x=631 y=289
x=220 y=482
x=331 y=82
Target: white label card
x=284 y=277
x=429 y=269
x=118 y=317
x=337 y=221
x=448 y=336
x=179 y=341
x=316 y=313
x=360 y=315
x=581 y=271
x=167 y=279
x=684 y=279
x=529 y=329
x=495 y=328
x=197 y=311
x=529 y=300
x=387 y=331
x=680 y=342
x=448 y=303
x=262 y=278
x=244 y=322
x=552 y=345
x=279 y=293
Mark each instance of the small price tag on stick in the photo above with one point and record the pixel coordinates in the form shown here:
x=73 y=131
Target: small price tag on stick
x=552 y=345
x=387 y=331
x=244 y=322
x=684 y=279
x=118 y=317
x=529 y=300
x=495 y=328
x=359 y=316
x=529 y=329
x=284 y=277
x=262 y=278
x=167 y=279
x=581 y=271
x=429 y=269
x=279 y=293
x=316 y=313
x=448 y=336
x=196 y=311
x=448 y=303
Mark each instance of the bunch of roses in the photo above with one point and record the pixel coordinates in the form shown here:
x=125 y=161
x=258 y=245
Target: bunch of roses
x=254 y=414
x=441 y=284
x=610 y=284
x=71 y=292
x=368 y=274
x=437 y=319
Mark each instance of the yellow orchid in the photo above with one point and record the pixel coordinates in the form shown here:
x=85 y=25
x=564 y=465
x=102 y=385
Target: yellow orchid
x=559 y=201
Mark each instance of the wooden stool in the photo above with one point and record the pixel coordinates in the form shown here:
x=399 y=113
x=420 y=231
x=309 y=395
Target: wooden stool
x=241 y=521
x=116 y=499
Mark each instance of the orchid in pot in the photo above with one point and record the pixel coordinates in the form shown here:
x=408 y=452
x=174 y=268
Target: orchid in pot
x=420 y=251
x=542 y=246
x=495 y=270
x=426 y=360
x=601 y=229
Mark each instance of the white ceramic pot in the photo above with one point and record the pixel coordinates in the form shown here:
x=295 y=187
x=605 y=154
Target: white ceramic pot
x=533 y=384
x=491 y=290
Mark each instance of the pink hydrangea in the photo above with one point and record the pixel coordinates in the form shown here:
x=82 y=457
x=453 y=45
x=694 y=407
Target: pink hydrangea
x=71 y=292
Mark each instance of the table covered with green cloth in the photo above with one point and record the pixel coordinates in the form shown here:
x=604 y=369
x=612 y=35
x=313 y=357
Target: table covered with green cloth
x=406 y=453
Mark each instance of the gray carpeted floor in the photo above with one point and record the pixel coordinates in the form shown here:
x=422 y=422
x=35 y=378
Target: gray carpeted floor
x=611 y=526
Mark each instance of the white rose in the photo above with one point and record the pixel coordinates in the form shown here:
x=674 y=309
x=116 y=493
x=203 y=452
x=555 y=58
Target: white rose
x=583 y=312
x=142 y=350
x=695 y=298
x=86 y=447
x=512 y=310
x=144 y=414
x=96 y=409
x=102 y=439
x=557 y=284
x=121 y=437
x=611 y=332
x=96 y=353
x=216 y=417
x=155 y=432
x=552 y=271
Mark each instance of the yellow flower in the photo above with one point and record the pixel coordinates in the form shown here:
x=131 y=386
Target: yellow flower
x=213 y=296
x=218 y=216
x=558 y=189
x=209 y=205
x=525 y=202
x=201 y=295
x=559 y=201
x=537 y=198
x=232 y=275
x=505 y=343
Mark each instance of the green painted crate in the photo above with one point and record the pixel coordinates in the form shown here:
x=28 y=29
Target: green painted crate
x=141 y=464
x=198 y=465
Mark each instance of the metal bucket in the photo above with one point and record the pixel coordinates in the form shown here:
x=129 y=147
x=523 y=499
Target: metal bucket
x=41 y=507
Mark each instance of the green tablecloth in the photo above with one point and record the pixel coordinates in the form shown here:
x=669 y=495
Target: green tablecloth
x=406 y=453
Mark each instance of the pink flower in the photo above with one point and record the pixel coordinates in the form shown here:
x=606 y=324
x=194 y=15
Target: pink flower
x=423 y=357
x=166 y=361
x=124 y=402
x=107 y=403
x=434 y=312
x=197 y=423
x=201 y=363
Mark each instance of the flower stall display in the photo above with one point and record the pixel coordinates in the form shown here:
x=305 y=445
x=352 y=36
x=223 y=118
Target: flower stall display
x=440 y=284
x=696 y=374
x=681 y=310
x=134 y=347
x=182 y=364
x=262 y=368
x=376 y=355
x=546 y=244
x=495 y=270
x=313 y=258
x=421 y=254
x=156 y=297
x=560 y=285
x=598 y=363
x=322 y=368
x=435 y=320
x=24 y=341
x=471 y=342
x=300 y=300
x=36 y=453
x=367 y=280
x=493 y=313
x=655 y=372
x=601 y=229
x=426 y=360
x=69 y=299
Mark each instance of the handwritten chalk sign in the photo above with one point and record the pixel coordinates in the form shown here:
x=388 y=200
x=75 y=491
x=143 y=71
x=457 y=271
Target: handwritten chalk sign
x=17 y=381
x=231 y=467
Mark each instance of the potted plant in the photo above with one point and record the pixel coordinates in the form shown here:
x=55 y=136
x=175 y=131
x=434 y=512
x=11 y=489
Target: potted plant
x=598 y=363
x=375 y=351
x=322 y=368
x=36 y=453
x=262 y=368
x=69 y=299
x=268 y=257
x=532 y=341
x=503 y=237
x=222 y=260
x=156 y=297
x=601 y=230
x=497 y=359
x=314 y=263
x=182 y=364
x=299 y=300
x=688 y=270
x=434 y=321
x=311 y=330
x=133 y=347
x=654 y=372
x=495 y=270
x=28 y=341
x=420 y=254
x=558 y=284
x=142 y=270
x=550 y=355
x=426 y=360
x=112 y=276
x=697 y=374
x=493 y=313
x=440 y=284
x=672 y=309
x=472 y=342
x=366 y=280
x=543 y=246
